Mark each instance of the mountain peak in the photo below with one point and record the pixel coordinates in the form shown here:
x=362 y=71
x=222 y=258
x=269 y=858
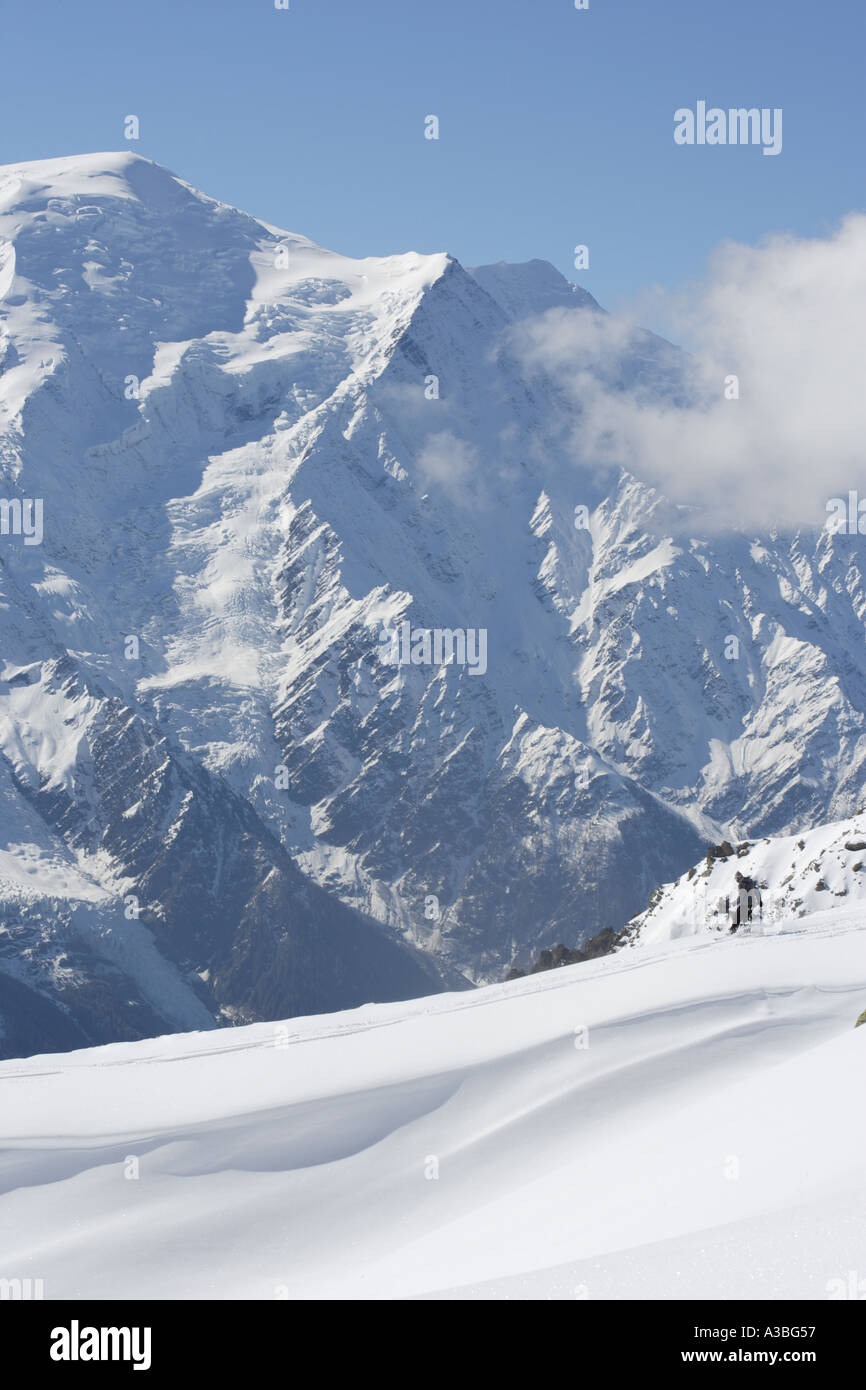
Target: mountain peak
x=251 y=452
x=530 y=287
x=112 y=173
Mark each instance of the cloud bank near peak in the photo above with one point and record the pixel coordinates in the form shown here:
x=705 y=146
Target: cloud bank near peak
x=787 y=319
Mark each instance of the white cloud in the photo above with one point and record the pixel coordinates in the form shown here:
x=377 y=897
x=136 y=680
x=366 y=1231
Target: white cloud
x=787 y=317
x=449 y=461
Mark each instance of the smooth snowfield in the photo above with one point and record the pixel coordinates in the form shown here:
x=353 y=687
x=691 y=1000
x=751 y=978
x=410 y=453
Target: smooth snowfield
x=676 y=1121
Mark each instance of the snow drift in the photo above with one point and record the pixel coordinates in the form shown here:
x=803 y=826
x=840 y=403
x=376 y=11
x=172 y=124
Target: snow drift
x=682 y=1120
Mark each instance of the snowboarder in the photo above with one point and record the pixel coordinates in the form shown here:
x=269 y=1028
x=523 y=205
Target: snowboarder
x=748 y=902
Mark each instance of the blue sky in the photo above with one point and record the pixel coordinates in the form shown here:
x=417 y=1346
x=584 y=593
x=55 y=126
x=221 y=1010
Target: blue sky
x=556 y=126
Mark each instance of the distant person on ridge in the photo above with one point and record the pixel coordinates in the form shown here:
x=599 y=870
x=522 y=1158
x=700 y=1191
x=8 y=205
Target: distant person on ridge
x=748 y=901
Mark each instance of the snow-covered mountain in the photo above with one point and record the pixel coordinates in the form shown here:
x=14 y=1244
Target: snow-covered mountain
x=795 y=876
x=254 y=457
x=683 y=1119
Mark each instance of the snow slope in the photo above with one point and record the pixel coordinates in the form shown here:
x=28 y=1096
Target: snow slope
x=797 y=876
x=682 y=1120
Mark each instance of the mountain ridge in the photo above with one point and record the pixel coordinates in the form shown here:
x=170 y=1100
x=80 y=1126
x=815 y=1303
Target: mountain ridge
x=315 y=449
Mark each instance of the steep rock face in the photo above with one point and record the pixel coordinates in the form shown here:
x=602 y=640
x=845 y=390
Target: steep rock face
x=256 y=458
x=192 y=910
